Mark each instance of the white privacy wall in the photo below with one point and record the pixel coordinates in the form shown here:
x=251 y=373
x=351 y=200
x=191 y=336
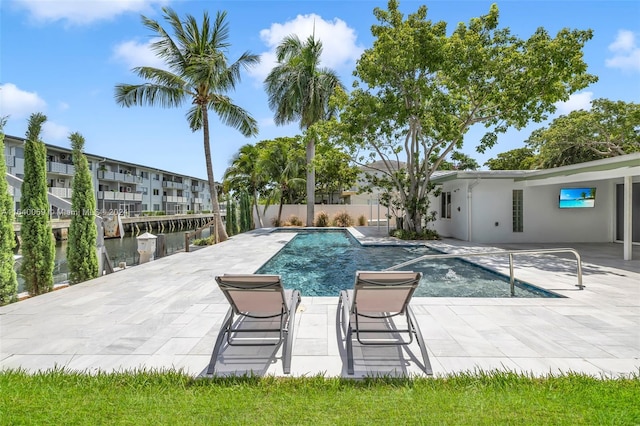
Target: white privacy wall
x=490 y=204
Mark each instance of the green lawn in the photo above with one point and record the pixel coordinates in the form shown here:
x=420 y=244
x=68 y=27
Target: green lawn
x=171 y=398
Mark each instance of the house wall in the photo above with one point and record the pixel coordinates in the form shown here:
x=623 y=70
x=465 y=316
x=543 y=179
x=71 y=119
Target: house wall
x=489 y=201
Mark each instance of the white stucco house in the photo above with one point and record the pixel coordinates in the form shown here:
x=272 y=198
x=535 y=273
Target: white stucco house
x=524 y=206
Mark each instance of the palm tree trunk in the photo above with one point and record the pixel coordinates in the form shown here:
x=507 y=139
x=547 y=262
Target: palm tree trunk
x=280 y=211
x=255 y=203
x=311 y=180
x=221 y=233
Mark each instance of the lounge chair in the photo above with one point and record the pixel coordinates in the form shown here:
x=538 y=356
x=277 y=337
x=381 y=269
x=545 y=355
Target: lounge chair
x=257 y=297
x=380 y=295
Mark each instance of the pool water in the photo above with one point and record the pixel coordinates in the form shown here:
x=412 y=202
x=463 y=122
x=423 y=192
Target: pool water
x=321 y=263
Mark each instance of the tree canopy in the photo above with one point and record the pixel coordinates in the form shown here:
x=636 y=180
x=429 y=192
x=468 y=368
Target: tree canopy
x=421 y=90
x=515 y=159
x=609 y=129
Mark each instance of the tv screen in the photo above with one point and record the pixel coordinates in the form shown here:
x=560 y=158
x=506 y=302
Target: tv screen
x=575 y=198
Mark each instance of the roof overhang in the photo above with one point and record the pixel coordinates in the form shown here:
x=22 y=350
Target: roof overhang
x=605 y=169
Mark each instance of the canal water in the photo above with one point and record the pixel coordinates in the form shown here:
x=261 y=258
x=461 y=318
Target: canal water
x=119 y=249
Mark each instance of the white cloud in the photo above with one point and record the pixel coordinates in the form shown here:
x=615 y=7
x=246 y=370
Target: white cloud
x=54 y=132
x=83 y=12
x=63 y=106
x=338 y=41
x=626 y=53
x=134 y=54
x=17 y=103
x=576 y=102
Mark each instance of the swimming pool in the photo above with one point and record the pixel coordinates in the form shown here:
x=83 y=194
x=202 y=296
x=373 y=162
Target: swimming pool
x=321 y=263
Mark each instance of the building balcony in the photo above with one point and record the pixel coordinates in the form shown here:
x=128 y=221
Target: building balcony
x=174 y=199
x=174 y=185
x=118 y=177
x=119 y=196
x=61 y=192
x=60 y=168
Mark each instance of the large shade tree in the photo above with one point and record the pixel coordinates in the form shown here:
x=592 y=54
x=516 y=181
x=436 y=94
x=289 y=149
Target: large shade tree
x=198 y=73
x=515 y=159
x=609 y=129
x=422 y=89
x=299 y=89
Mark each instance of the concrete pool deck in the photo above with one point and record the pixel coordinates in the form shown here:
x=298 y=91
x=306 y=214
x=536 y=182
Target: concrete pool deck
x=166 y=315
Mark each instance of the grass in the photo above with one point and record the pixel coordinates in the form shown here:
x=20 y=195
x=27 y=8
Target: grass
x=171 y=398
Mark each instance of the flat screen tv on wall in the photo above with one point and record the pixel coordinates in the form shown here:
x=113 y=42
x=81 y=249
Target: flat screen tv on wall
x=575 y=198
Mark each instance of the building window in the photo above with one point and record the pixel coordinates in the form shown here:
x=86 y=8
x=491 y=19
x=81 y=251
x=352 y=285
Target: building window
x=156 y=192
x=156 y=176
x=156 y=207
x=518 y=211
x=445 y=207
x=143 y=207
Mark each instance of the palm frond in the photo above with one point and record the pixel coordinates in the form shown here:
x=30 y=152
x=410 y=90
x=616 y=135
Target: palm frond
x=233 y=116
x=149 y=94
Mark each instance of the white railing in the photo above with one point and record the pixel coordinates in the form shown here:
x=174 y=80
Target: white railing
x=174 y=199
x=61 y=192
x=61 y=168
x=493 y=253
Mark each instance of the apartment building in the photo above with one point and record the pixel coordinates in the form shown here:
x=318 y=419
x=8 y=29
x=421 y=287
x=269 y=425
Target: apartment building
x=121 y=186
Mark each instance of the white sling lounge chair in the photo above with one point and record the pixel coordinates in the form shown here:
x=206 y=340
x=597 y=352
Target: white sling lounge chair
x=380 y=295
x=258 y=297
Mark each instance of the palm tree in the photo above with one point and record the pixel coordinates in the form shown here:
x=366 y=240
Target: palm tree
x=245 y=175
x=199 y=72
x=299 y=90
x=282 y=165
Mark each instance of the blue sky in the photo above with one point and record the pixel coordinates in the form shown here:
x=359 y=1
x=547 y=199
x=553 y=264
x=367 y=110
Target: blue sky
x=63 y=58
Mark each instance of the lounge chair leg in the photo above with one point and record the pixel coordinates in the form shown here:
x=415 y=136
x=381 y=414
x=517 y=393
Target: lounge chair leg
x=287 y=345
x=350 y=369
x=420 y=339
x=226 y=324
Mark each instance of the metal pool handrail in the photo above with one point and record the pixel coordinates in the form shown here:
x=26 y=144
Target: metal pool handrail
x=492 y=253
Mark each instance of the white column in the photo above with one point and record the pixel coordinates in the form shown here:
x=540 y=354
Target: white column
x=627 y=236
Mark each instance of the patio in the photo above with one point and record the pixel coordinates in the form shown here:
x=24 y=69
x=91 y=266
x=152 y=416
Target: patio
x=166 y=314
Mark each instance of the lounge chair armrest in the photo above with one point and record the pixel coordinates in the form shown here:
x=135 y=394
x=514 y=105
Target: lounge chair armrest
x=344 y=302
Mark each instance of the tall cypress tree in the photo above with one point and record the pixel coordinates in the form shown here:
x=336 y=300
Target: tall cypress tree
x=82 y=257
x=38 y=245
x=227 y=221
x=8 y=279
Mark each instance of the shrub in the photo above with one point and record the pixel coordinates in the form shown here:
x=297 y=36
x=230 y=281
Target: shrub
x=362 y=220
x=426 y=234
x=275 y=222
x=342 y=219
x=322 y=220
x=294 y=221
x=203 y=241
